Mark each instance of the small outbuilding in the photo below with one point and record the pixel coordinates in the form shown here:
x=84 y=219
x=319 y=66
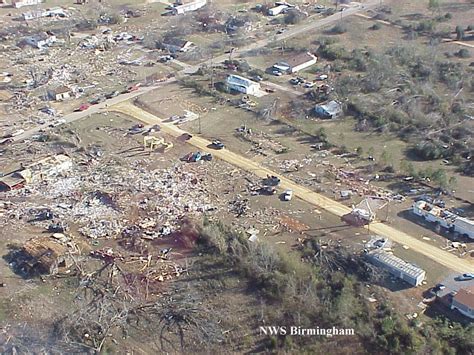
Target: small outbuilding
x=60 y=93
x=328 y=110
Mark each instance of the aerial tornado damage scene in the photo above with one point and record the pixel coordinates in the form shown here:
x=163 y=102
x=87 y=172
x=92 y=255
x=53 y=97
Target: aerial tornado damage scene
x=236 y=177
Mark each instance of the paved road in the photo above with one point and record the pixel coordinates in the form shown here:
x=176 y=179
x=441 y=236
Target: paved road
x=432 y=252
x=74 y=116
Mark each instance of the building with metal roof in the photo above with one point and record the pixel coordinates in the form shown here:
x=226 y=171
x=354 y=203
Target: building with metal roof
x=397 y=267
x=241 y=84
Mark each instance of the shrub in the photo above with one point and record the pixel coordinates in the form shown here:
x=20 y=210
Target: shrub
x=338 y=29
x=331 y=52
x=293 y=17
x=463 y=53
x=428 y=151
x=376 y=26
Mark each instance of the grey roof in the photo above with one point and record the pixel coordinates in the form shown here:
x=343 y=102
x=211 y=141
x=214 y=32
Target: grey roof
x=332 y=107
x=396 y=263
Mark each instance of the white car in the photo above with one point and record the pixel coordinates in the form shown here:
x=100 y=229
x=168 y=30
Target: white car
x=277 y=73
x=288 y=195
x=308 y=85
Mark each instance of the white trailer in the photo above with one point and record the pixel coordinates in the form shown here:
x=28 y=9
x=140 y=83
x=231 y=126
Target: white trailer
x=274 y=11
x=444 y=218
x=464 y=227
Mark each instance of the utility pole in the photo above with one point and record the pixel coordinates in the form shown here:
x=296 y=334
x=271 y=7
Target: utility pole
x=212 y=76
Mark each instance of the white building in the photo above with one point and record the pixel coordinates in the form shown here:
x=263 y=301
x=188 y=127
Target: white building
x=444 y=218
x=60 y=93
x=397 y=267
x=243 y=85
x=20 y=3
x=301 y=61
x=274 y=11
x=182 y=6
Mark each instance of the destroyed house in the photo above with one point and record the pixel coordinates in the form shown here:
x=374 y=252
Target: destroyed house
x=13 y=181
x=174 y=45
x=37 y=171
x=40 y=40
x=47 y=167
x=43 y=255
x=397 y=267
x=463 y=301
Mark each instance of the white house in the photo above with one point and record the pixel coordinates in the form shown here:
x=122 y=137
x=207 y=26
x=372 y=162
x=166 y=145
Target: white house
x=301 y=61
x=241 y=84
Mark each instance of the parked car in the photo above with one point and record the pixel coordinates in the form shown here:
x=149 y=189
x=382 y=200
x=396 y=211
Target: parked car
x=267 y=190
x=309 y=85
x=465 y=277
x=207 y=157
x=287 y=195
x=48 y=110
x=277 y=73
x=269 y=90
x=83 y=107
x=257 y=78
x=322 y=77
x=272 y=180
x=438 y=287
x=57 y=123
x=217 y=144
x=112 y=94
x=294 y=81
x=97 y=100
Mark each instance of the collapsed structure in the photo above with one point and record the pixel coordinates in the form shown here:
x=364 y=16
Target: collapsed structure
x=45 y=255
x=35 y=172
x=444 y=218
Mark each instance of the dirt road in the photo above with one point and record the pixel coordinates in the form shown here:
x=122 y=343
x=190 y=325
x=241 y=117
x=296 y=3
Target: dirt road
x=440 y=256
